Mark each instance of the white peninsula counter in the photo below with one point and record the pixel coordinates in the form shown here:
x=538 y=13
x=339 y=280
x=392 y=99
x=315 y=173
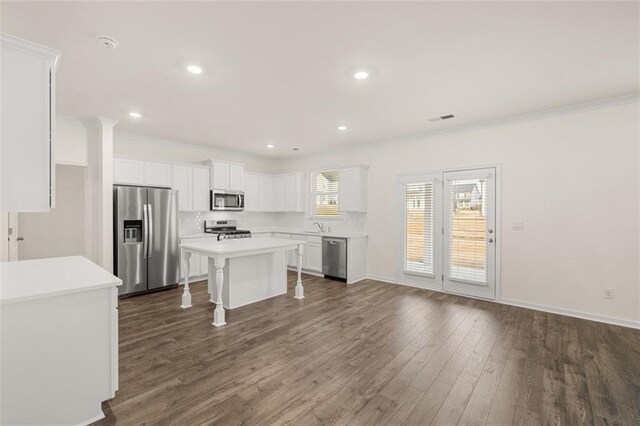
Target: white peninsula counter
x=58 y=341
x=243 y=271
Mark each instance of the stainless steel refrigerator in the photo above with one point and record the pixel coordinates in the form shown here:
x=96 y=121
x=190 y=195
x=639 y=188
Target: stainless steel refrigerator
x=146 y=254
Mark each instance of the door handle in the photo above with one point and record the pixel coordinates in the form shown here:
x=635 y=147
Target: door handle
x=150 y=214
x=145 y=235
x=20 y=239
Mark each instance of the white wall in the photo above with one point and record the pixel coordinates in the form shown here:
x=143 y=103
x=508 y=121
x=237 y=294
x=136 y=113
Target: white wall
x=71 y=142
x=59 y=232
x=573 y=180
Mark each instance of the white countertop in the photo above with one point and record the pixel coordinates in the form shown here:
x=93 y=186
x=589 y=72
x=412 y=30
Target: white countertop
x=239 y=245
x=297 y=231
x=39 y=278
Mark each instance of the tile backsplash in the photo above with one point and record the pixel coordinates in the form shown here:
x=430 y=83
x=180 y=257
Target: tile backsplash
x=193 y=222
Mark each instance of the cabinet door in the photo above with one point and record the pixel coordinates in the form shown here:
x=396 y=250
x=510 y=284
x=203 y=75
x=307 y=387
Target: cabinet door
x=236 y=173
x=27 y=133
x=280 y=193
x=313 y=257
x=183 y=182
x=158 y=174
x=251 y=193
x=290 y=193
x=267 y=202
x=129 y=172
x=201 y=189
x=220 y=176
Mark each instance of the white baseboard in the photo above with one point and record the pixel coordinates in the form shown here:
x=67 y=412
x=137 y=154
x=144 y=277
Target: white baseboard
x=382 y=279
x=571 y=313
x=544 y=308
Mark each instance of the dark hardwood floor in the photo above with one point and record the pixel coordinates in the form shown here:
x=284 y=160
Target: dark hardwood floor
x=370 y=353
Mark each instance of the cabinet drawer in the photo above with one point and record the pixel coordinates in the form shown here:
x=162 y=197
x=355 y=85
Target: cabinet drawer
x=314 y=240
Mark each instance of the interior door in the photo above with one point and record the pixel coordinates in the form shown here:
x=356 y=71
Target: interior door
x=164 y=256
x=469 y=233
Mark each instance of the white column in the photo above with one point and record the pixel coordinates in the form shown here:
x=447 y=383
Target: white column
x=100 y=161
x=299 y=289
x=218 y=314
x=186 y=294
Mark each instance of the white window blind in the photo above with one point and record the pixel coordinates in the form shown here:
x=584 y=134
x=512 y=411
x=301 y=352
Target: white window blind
x=325 y=193
x=418 y=228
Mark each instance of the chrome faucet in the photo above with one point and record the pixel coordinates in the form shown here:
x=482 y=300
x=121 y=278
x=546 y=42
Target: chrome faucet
x=320 y=226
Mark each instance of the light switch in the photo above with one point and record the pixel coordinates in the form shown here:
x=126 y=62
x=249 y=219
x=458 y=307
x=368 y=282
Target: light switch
x=517 y=225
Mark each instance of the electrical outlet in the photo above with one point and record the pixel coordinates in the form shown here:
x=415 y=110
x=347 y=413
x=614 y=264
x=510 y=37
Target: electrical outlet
x=608 y=293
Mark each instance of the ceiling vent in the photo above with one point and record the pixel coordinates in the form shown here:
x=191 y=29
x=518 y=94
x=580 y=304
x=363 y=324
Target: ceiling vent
x=108 y=42
x=443 y=117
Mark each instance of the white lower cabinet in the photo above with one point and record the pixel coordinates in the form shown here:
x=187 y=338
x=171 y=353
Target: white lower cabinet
x=313 y=254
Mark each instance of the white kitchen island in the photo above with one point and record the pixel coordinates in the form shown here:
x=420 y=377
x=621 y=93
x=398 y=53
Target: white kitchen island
x=243 y=271
x=58 y=341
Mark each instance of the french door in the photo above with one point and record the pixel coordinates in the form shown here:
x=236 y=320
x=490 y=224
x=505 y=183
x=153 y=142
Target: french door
x=469 y=236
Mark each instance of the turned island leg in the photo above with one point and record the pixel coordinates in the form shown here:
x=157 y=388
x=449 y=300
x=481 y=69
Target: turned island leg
x=218 y=314
x=186 y=294
x=299 y=289
x=211 y=280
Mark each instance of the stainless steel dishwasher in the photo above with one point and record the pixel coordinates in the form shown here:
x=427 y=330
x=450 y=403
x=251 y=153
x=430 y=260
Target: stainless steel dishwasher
x=334 y=258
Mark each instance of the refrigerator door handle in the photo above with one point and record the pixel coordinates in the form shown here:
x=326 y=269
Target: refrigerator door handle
x=150 y=235
x=145 y=233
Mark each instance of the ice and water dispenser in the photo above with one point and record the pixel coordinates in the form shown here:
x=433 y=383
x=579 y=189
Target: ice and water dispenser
x=132 y=231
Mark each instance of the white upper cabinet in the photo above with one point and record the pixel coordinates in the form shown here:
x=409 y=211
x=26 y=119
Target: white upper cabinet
x=226 y=176
x=267 y=193
x=27 y=134
x=129 y=172
x=236 y=172
x=183 y=182
x=280 y=193
x=251 y=192
x=219 y=176
x=353 y=189
x=201 y=189
x=158 y=174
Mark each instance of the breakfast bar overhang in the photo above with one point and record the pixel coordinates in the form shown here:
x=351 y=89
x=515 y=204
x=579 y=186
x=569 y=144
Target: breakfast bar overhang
x=243 y=271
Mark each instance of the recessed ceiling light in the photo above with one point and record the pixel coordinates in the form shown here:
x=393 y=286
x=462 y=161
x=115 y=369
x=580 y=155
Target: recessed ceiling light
x=135 y=114
x=361 y=75
x=342 y=128
x=270 y=145
x=194 y=69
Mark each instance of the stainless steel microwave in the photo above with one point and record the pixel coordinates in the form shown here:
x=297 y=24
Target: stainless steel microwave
x=227 y=200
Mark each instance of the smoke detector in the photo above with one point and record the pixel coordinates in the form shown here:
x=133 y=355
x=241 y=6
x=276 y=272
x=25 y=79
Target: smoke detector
x=108 y=42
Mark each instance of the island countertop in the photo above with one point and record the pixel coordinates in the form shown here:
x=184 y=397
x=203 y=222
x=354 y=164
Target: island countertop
x=40 y=278
x=239 y=245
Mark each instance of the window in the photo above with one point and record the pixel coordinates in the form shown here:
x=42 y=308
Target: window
x=324 y=193
x=418 y=228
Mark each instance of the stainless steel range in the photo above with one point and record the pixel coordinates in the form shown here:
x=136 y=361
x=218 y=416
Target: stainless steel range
x=225 y=229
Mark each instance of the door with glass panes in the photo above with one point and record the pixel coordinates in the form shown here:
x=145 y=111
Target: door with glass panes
x=469 y=236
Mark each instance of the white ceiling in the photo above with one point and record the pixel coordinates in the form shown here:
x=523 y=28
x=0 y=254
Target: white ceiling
x=281 y=72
